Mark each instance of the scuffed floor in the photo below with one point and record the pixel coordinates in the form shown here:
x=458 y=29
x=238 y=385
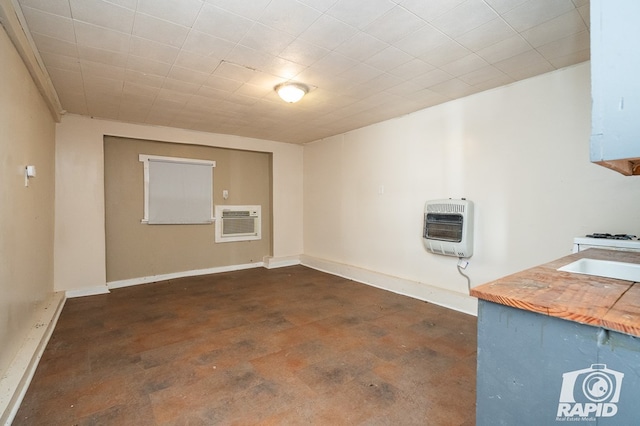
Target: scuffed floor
x=256 y=347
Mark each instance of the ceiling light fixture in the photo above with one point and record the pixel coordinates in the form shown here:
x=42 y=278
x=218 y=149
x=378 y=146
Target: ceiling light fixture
x=291 y=92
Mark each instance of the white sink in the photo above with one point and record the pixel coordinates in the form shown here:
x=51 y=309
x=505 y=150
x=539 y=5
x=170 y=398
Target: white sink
x=605 y=268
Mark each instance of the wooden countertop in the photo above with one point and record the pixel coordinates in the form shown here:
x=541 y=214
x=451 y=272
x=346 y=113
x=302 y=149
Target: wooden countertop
x=601 y=302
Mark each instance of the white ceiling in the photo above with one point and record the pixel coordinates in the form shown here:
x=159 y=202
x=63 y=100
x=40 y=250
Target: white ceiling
x=211 y=65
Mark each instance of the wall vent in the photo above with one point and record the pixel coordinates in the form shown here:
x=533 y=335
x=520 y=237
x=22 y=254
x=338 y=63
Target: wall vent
x=238 y=223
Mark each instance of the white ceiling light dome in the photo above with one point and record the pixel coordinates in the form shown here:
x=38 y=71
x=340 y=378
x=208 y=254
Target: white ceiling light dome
x=291 y=92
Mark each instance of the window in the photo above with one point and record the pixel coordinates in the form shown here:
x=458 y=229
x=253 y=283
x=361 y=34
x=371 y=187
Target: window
x=177 y=190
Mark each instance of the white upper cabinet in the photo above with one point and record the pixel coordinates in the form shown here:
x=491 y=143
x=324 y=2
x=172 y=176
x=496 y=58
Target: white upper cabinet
x=615 y=84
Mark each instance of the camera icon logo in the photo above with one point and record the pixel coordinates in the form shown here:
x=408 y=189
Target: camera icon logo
x=590 y=392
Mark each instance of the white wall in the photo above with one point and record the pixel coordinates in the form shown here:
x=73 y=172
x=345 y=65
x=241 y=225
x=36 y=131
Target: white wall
x=26 y=218
x=520 y=153
x=79 y=205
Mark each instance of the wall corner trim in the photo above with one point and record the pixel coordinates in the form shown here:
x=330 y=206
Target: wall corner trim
x=15 y=381
x=418 y=290
x=280 y=262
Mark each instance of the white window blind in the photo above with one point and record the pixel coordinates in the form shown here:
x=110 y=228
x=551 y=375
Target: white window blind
x=177 y=190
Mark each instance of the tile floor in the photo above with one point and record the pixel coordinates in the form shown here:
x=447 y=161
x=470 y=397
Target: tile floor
x=286 y=346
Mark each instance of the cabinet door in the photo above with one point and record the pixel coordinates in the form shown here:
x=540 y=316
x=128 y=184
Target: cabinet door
x=615 y=79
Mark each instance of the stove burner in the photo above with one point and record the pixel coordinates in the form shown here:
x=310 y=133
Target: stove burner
x=612 y=237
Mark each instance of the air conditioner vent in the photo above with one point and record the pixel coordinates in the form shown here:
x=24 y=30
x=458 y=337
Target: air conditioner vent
x=238 y=223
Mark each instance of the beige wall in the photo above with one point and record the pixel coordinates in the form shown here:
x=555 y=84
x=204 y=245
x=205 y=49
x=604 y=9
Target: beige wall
x=135 y=250
x=26 y=214
x=520 y=153
x=80 y=256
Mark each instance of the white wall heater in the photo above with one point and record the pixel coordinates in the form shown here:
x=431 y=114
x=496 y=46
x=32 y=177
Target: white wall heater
x=448 y=227
x=238 y=223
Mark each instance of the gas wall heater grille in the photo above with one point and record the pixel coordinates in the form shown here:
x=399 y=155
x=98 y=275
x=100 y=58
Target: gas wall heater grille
x=448 y=227
x=238 y=223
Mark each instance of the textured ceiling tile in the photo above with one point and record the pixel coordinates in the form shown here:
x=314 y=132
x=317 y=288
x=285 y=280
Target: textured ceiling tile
x=334 y=64
x=389 y=58
x=282 y=68
x=102 y=56
x=503 y=6
x=394 y=25
x=143 y=79
x=465 y=17
x=153 y=50
x=248 y=57
x=289 y=16
x=97 y=69
x=221 y=84
x=57 y=7
x=184 y=15
x=421 y=41
x=535 y=12
x=524 y=65
x=200 y=63
x=61 y=62
x=363 y=61
x=554 y=29
x=565 y=46
x=504 y=49
x=454 y=88
x=303 y=52
x=432 y=78
x=448 y=51
x=103 y=14
x=353 y=13
x=101 y=38
x=486 y=35
x=411 y=69
x=56 y=26
x=249 y=9
x=361 y=46
x=266 y=39
x=188 y=75
x=148 y=66
x=158 y=30
x=482 y=75
x=207 y=45
x=235 y=71
x=570 y=59
x=221 y=23
x=328 y=32
x=464 y=65
x=430 y=10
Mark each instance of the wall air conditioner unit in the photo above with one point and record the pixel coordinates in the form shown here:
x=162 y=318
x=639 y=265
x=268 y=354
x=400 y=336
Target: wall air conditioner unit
x=237 y=223
x=448 y=227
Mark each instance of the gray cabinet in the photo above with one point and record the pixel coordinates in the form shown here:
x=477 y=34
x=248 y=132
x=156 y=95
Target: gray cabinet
x=615 y=84
x=539 y=370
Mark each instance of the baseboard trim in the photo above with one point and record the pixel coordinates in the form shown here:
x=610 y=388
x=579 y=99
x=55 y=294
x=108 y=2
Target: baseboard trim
x=417 y=290
x=15 y=382
x=280 y=262
x=90 y=291
x=183 y=274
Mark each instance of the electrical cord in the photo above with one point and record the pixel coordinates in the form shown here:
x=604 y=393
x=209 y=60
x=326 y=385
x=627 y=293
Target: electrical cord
x=464 y=275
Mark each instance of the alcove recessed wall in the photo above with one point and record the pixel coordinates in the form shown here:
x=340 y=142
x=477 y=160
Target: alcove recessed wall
x=138 y=250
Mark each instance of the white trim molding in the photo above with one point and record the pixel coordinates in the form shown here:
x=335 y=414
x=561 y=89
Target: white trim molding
x=183 y=274
x=89 y=291
x=418 y=290
x=15 y=381
x=271 y=262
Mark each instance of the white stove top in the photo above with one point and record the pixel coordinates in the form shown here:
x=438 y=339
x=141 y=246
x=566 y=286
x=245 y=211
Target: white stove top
x=583 y=243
